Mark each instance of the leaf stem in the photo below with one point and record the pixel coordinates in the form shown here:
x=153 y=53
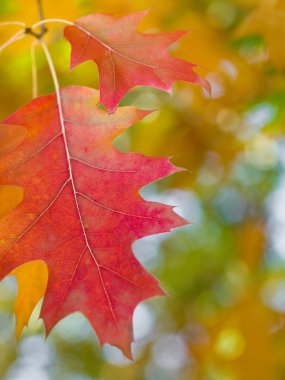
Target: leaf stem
x=6 y=23
x=51 y=20
x=17 y=36
x=34 y=69
x=54 y=77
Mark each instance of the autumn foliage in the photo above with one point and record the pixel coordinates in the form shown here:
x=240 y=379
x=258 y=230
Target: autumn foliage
x=223 y=273
x=81 y=209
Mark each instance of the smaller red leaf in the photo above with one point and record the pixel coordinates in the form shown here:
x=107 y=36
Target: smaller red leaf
x=125 y=57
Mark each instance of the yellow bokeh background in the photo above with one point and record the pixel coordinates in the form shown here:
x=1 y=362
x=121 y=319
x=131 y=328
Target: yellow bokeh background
x=224 y=318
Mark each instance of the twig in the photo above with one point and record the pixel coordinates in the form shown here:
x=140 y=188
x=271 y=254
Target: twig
x=41 y=16
x=34 y=69
x=17 y=36
x=42 y=21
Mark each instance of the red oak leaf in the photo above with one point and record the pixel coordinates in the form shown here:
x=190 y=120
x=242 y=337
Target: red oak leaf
x=82 y=211
x=126 y=57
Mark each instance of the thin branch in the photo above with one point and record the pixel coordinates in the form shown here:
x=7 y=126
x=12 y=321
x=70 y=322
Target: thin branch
x=34 y=69
x=43 y=28
x=13 y=23
x=41 y=17
x=17 y=36
x=51 y=20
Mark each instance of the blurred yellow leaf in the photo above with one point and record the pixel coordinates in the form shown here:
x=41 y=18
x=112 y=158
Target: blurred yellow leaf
x=241 y=344
x=32 y=280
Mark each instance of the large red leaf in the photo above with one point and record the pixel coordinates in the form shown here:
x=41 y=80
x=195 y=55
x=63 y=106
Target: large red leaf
x=126 y=57
x=82 y=211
